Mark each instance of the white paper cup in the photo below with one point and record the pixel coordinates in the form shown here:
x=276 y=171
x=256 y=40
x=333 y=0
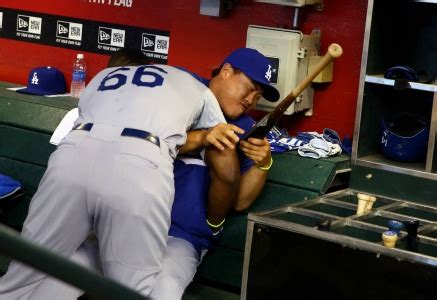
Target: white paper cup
x=370 y=202
x=389 y=238
x=362 y=203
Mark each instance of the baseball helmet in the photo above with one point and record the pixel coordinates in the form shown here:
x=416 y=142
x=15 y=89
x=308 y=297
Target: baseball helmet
x=408 y=73
x=404 y=137
x=402 y=72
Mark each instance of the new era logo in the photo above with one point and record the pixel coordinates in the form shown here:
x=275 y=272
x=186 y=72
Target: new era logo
x=23 y=23
x=155 y=43
x=104 y=36
x=29 y=24
x=69 y=30
x=111 y=36
x=148 y=42
x=62 y=30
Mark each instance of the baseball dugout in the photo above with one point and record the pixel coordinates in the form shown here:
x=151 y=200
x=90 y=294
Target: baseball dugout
x=27 y=123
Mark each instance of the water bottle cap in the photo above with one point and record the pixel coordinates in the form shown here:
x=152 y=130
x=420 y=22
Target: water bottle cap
x=80 y=55
x=389 y=238
x=389 y=234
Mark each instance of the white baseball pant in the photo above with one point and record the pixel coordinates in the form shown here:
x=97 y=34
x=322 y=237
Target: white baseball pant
x=179 y=266
x=120 y=187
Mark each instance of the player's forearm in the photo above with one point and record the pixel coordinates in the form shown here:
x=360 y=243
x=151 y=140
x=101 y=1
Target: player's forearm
x=251 y=185
x=221 y=136
x=194 y=141
x=225 y=180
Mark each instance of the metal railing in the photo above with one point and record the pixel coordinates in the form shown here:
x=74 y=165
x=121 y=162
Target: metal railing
x=94 y=285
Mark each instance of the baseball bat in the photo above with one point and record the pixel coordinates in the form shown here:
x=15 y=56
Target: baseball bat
x=263 y=126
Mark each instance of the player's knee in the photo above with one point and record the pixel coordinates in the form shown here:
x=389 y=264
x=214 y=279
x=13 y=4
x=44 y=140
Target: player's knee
x=241 y=207
x=168 y=288
x=228 y=169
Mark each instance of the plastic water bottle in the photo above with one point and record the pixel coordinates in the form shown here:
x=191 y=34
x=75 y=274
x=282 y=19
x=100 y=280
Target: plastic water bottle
x=79 y=74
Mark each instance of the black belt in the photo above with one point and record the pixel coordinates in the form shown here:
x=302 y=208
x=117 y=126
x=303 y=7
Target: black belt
x=131 y=132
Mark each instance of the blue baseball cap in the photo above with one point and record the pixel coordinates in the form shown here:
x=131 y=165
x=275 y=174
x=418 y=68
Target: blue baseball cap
x=8 y=186
x=255 y=66
x=45 y=81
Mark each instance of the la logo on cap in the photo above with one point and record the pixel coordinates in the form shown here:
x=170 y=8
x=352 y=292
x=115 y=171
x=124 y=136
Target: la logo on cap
x=45 y=81
x=269 y=73
x=35 y=78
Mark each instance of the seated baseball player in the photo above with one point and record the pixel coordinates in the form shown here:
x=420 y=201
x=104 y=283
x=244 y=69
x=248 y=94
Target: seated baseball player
x=195 y=221
x=192 y=232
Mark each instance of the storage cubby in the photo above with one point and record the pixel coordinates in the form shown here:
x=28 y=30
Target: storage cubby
x=380 y=102
x=398 y=32
x=401 y=32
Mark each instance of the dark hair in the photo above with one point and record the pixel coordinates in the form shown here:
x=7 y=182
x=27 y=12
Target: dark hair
x=128 y=57
x=216 y=71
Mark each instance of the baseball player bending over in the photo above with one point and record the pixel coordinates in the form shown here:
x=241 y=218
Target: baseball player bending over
x=237 y=84
x=113 y=175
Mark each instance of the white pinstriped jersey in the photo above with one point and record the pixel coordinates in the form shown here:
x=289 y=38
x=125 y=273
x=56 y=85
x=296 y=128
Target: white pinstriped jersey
x=158 y=98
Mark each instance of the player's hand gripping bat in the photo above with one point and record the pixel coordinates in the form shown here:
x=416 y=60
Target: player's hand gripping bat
x=263 y=126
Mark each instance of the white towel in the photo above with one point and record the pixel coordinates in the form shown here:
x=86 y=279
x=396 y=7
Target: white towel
x=65 y=126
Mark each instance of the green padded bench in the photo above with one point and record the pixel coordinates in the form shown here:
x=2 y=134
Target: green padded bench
x=26 y=125
x=291 y=179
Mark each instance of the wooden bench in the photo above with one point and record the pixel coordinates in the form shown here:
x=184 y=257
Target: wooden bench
x=27 y=123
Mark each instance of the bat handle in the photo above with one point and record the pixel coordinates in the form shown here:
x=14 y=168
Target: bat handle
x=335 y=50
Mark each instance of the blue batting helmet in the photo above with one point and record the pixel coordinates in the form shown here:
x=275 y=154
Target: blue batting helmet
x=404 y=137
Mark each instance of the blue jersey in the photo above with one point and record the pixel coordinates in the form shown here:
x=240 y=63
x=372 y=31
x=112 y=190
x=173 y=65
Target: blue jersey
x=188 y=216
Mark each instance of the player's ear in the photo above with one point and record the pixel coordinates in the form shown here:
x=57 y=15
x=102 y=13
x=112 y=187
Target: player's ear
x=226 y=71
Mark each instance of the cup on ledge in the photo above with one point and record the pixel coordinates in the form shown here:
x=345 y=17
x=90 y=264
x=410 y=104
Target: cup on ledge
x=389 y=238
x=363 y=203
x=369 y=206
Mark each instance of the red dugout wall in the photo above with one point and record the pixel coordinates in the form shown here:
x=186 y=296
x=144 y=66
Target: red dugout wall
x=200 y=43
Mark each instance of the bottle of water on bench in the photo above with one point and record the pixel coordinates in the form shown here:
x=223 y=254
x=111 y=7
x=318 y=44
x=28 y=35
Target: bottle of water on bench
x=79 y=75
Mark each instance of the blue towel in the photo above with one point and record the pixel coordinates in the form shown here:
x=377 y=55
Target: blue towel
x=274 y=136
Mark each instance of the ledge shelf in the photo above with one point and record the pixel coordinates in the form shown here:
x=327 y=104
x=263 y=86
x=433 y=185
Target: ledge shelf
x=425 y=1
x=379 y=79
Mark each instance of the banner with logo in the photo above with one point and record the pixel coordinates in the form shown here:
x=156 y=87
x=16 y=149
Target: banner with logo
x=80 y=34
